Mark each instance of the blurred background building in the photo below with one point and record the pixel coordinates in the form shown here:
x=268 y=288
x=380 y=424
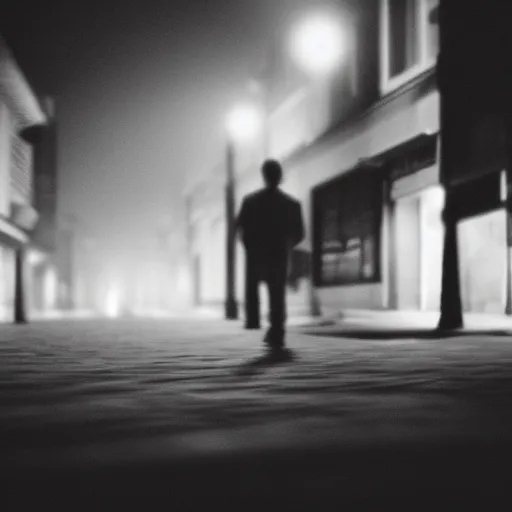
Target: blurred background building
x=80 y=266
x=28 y=190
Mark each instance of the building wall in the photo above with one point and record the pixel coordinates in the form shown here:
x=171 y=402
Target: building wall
x=5 y=159
x=379 y=131
x=19 y=110
x=6 y=283
x=46 y=184
x=22 y=177
x=16 y=182
x=482 y=240
x=432 y=247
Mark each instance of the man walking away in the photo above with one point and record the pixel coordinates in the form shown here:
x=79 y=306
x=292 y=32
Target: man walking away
x=271 y=225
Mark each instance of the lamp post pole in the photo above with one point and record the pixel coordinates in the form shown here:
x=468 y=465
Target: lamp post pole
x=508 y=274
x=20 y=315
x=231 y=305
x=508 y=203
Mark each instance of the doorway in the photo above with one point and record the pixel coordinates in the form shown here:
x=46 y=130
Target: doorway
x=408 y=252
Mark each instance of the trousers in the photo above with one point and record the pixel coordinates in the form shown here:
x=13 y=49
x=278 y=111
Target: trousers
x=271 y=268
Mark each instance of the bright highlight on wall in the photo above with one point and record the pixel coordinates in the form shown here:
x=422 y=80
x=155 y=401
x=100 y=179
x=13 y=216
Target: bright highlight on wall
x=50 y=288
x=35 y=257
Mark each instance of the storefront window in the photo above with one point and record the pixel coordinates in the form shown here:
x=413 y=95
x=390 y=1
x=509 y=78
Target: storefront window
x=347 y=217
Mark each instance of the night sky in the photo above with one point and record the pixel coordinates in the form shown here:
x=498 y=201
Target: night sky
x=141 y=87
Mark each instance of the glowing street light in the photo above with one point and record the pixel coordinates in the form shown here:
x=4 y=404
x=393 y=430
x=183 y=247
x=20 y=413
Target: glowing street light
x=317 y=43
x=243 y=124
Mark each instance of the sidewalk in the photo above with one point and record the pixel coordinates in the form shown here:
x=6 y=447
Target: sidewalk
x=377 y=320
x=423 y=320
x=296 y=317
x=58 y=314
x=374 y=319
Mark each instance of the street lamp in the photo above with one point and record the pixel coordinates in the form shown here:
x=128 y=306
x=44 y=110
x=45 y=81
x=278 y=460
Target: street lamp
x=317 y=43
x=242 y=125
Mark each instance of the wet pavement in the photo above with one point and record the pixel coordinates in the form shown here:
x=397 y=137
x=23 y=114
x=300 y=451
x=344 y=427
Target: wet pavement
x=194 y=410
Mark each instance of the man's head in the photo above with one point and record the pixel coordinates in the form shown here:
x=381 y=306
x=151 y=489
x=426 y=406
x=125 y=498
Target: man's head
x=272 y=173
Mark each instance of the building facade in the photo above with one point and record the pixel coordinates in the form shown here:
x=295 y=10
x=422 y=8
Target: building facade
x=21 y=114
x=361 y=151
x=42 y=262
x=79 y=267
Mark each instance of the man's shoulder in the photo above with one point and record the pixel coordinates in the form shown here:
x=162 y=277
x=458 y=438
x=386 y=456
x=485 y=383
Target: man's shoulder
x=290 y=199
x=252 y=197
x=255 y=197
x=263 y=195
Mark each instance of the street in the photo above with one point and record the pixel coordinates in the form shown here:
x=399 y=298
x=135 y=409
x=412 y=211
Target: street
x=86 y=396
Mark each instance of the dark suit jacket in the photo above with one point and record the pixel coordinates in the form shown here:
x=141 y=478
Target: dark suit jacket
x=270 y=222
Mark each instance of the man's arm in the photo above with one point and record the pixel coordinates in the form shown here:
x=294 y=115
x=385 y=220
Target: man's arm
x=298 y=231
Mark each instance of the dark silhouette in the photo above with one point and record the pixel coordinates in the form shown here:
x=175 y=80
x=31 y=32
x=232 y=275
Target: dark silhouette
x=271 y=225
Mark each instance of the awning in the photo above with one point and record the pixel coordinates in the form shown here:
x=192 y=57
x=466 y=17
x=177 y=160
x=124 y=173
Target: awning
x=10 y=234
x=401 y=150
x=16 y=91
x=384 y=159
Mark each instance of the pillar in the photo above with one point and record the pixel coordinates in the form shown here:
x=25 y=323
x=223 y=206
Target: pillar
x=20 y=316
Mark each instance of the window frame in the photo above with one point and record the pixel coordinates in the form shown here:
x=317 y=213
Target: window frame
x=388 y=83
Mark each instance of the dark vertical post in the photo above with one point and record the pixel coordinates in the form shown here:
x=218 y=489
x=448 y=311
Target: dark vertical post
x=231 y=306
x=508 y=303
x=390 y=207
x=508 y=203
x=451 y=304
x=20 y=316
x=314 y=261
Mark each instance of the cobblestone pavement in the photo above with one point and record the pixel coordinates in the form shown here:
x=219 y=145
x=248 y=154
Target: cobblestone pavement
x=92 y=393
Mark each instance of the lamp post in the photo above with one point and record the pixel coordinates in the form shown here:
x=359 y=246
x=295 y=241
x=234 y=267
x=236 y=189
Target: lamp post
x=243 y=123
x=317 y=44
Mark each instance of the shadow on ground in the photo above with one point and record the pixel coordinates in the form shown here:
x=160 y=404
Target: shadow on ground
x=269 y=359
x=393 y=334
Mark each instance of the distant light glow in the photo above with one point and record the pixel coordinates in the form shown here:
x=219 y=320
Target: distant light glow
x=35 y=257
x=50 y=288
x=244 y=122
x=112 y=308
x=317 y=43
x=182 y=284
